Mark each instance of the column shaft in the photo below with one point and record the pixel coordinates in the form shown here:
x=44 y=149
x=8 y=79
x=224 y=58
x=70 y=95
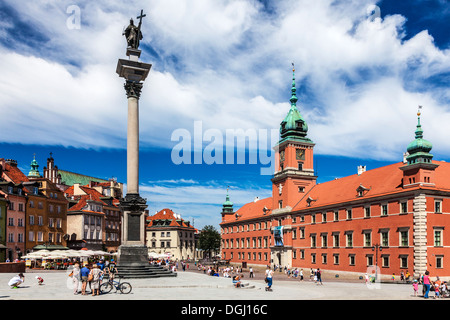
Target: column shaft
x=133 y=146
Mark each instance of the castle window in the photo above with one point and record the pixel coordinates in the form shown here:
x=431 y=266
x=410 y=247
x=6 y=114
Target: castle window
x=367 y=212
x=438 y=206
x=438 y=237
x=301 y=189
x=349 y=238
x=313 y=241
x=404 y=207
x=367 y=238
x=349 y=214
x=439 y=262
x=385 y=261
x=403 y=261
x=336 y=240
x=300 y=166
x=384 y=210
x=404 y=238
x=324 y=241
x=385 y=239
x=336 y=258
x=351 y=259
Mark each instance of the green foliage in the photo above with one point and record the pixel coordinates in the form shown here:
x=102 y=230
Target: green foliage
x=209 y=239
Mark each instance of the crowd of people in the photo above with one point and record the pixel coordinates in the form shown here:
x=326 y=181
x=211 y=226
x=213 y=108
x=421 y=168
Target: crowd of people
x=91 y=275
x=438 y=288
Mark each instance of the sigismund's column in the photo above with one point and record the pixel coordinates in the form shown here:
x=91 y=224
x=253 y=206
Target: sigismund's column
x=133 y=250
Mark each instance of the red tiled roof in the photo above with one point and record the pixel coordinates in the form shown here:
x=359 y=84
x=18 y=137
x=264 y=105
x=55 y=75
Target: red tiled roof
x=380 y=181
x=91 y=194
x=253 y=209
x=15 y=174
x=167 y=214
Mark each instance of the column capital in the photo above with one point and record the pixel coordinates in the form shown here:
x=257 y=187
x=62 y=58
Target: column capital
x=133 y=203
x=133 y=89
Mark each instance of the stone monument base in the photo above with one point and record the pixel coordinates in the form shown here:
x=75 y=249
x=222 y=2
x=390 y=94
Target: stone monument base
x=132 y=255
x=132 y=262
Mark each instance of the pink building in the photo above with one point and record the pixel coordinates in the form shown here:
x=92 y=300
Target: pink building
x=13 y=190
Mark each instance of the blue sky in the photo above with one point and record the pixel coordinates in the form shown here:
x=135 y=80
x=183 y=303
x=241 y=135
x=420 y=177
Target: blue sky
x=362 y=69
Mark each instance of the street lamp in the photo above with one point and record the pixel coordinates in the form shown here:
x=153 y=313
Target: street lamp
x=376 y=248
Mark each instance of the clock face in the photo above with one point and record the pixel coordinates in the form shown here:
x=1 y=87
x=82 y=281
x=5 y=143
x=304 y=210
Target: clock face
x=300 y=154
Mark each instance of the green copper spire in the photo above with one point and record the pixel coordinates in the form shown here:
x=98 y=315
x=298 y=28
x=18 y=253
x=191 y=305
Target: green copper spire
x=227 y=206
x=34 y=172
x=293 y=90
x=293 y=127
x=419 y=149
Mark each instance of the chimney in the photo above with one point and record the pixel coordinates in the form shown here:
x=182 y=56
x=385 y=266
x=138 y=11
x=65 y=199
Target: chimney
x=361 y=169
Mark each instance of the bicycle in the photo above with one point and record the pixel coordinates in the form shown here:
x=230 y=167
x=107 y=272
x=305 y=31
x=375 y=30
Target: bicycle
x=123 y=287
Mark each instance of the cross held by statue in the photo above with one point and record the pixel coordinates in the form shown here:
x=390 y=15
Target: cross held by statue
x=141 y=16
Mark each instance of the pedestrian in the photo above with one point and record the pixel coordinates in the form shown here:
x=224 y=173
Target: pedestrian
x=319 y=276
x=436 y=290
x=101 y=265
x=84 y=273
x=415 y=287
x=95 y=282
x=301 y=275
x=251 y=272
x=237 y=281
x=269 y=277
x=112 y=270
x=76 y=277
x=366 y=276
x=426 y=283
x=16 y=281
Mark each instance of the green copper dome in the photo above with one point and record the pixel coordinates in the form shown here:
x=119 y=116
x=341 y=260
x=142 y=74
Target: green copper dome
x=34 y=171
x=419 y=148
x=227 y=206
x=294 y=127
x=227 y=202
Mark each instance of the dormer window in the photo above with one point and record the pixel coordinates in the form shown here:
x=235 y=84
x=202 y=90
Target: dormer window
x=309 y=201
x=361 y=190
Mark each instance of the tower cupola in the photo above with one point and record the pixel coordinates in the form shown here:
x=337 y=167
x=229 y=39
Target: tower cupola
x=419 y=149
x=34 y=171
x=227 y=206
x=293 y=127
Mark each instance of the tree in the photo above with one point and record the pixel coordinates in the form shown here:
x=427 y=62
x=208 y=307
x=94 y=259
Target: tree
x=209 y=239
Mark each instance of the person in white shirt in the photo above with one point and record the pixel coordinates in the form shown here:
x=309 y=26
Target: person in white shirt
x=16 y=281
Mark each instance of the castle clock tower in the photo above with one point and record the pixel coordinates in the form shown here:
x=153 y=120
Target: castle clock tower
x=294 y=170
